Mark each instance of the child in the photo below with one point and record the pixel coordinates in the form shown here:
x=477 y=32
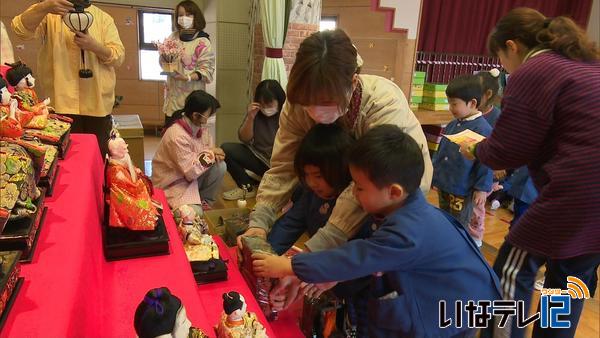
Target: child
x=257 y=134
x=490 y=86
x=321 y=164
x=414 y=256
x=462 y=184
x=322 y=167
x=186 y=165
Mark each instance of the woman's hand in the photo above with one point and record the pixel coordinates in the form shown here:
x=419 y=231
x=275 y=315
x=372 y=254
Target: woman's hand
x=59 y=7
x=219 y=154
x=467 y=149
x=179 y=77
x=257 y=232
x=265 y=265
x=253 y=109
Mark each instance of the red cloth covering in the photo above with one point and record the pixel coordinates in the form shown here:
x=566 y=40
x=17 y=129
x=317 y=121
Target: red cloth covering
x=71 y=291
x=285 y=326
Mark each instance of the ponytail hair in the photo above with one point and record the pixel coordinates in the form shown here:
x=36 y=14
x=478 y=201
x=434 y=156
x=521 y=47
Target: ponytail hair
x=531 y=28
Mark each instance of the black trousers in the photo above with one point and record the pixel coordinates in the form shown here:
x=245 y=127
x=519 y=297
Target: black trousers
x=99 y=126
x=238 y=158
x=517 y=270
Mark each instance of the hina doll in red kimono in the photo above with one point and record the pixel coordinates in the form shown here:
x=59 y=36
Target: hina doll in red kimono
x=21 y=78
x=130 y=199
x=9 y=124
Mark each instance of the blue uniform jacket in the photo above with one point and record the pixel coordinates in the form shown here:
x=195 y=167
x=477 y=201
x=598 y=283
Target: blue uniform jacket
x=492 y=116
x=521 y=186
x=454 y=174
x=308 y=213
x=426 y=257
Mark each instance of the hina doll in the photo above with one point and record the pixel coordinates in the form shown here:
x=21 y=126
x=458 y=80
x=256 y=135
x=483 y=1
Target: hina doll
x=193 y=230
x=20 y=166
x=162 y=315
x=236 y=322
x=130 y=199
x=21 y=78
x=9 y=124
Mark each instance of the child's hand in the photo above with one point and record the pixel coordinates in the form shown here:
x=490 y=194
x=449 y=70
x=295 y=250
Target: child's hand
x=479 y=198
x=499 y=174
x=285 y=292
x=265 y=265
x=316 y=290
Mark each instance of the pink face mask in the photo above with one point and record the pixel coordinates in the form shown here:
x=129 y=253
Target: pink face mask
x=324 y=114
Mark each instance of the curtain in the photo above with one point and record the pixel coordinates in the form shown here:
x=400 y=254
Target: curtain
x=462 y=26
x=272 y=13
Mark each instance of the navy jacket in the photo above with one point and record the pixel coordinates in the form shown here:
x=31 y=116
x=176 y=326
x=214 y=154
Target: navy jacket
x=426 y=257
x=308 y=213
x=521 y=186
x=454 y=174
x=492 y=116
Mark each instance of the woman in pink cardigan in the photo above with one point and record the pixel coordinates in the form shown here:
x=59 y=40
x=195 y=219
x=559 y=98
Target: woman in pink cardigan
x=187 y=165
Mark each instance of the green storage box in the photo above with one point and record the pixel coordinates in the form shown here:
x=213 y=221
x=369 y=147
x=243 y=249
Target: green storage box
x=435 y=87
x=429 y=99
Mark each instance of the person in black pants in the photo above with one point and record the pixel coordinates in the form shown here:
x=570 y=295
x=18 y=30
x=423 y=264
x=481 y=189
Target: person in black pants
x=257 y=134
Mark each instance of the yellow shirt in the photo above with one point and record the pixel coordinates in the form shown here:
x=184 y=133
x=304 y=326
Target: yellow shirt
x=59 y=61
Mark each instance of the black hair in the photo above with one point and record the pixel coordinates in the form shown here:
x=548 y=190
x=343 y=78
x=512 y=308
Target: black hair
x=156 y=314
x=466 y=88
x=389 y=156
x=197 y=101
x=269 y=90
x=326 y=147
x=489 y=82
x=2 y=82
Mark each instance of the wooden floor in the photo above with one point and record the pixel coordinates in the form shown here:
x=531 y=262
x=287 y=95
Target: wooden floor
x=496 y=229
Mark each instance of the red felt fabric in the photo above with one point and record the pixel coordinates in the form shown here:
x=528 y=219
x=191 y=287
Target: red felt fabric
x=284 y=327
x=71 y=291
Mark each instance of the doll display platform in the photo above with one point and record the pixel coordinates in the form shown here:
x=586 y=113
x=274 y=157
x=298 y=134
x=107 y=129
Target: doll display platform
x=22 y=234
x=122 y=243
x=10 y=282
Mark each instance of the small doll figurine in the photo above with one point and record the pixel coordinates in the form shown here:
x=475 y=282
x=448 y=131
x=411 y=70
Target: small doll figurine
x=162 y=315
x=20 y=76
x=236 y=322
x=9 y=125
x=130 y=199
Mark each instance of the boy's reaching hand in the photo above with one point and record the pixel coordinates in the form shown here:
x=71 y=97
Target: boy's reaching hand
x=266 y=265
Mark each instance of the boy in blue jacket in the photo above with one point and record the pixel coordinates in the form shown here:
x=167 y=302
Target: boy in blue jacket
x=463 y=184
x=418 y=256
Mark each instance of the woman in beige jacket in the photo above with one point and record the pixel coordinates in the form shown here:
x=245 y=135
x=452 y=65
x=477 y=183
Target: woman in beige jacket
x=325 y=87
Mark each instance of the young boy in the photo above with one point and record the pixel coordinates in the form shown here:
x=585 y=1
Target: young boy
x=462 y=184
x=418 y=255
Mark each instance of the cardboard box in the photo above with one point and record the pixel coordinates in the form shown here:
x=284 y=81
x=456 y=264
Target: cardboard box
x=131 y=130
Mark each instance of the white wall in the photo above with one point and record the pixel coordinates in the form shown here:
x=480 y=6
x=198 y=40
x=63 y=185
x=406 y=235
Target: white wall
x=593 y=28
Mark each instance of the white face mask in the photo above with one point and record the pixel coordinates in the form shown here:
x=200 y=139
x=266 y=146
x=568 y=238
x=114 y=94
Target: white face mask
x=5 y=97
x=186 y=22
x=324 y=114
x=269 y=111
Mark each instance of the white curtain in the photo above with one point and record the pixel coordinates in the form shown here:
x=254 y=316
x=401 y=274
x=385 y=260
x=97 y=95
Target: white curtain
x=272 y=14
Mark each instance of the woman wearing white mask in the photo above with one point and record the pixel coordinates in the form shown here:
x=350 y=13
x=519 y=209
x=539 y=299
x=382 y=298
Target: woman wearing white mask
x=197 y=64
x=257 y=134
x=324 y=87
